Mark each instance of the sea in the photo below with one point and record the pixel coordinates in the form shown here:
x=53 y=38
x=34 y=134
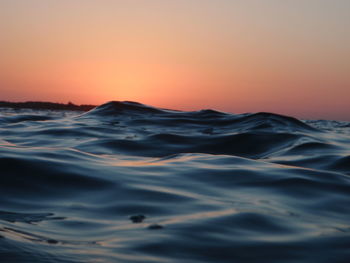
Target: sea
x=128 y=182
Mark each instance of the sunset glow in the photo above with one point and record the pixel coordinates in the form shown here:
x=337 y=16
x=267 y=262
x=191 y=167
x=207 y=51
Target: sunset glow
x=288 y=57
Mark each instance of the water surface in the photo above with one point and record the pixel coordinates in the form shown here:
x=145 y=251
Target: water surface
x=126 y=182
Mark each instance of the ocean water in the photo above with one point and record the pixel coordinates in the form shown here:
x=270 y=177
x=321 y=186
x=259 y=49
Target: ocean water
x=126 y=182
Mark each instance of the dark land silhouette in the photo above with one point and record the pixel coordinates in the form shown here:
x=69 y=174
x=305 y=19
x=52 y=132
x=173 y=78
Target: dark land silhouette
x=40 y=105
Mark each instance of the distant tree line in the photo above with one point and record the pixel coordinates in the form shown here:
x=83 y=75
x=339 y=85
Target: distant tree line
x=39 y=105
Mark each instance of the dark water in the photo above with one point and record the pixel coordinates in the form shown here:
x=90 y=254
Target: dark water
x=130 y=183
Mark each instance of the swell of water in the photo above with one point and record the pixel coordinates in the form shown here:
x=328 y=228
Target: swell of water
x=126 y=182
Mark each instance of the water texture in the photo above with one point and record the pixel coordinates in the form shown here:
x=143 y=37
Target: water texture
x=126 y=182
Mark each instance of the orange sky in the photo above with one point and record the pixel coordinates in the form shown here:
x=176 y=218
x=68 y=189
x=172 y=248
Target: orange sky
x=290 y=57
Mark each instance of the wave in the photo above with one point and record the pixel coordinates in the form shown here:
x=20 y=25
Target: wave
x=128 y=182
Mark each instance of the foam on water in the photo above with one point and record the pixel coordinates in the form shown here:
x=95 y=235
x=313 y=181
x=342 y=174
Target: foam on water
x=126 y=182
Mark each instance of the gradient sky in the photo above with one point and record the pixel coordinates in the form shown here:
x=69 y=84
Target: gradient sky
x=286 y=56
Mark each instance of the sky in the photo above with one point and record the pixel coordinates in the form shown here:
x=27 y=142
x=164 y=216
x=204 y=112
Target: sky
x=285 y=56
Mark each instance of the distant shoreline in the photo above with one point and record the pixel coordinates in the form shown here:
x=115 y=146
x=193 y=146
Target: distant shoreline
x=39 y=105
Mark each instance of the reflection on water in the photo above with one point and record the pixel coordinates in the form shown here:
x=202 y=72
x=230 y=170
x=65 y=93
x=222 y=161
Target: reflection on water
x=127 y=182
